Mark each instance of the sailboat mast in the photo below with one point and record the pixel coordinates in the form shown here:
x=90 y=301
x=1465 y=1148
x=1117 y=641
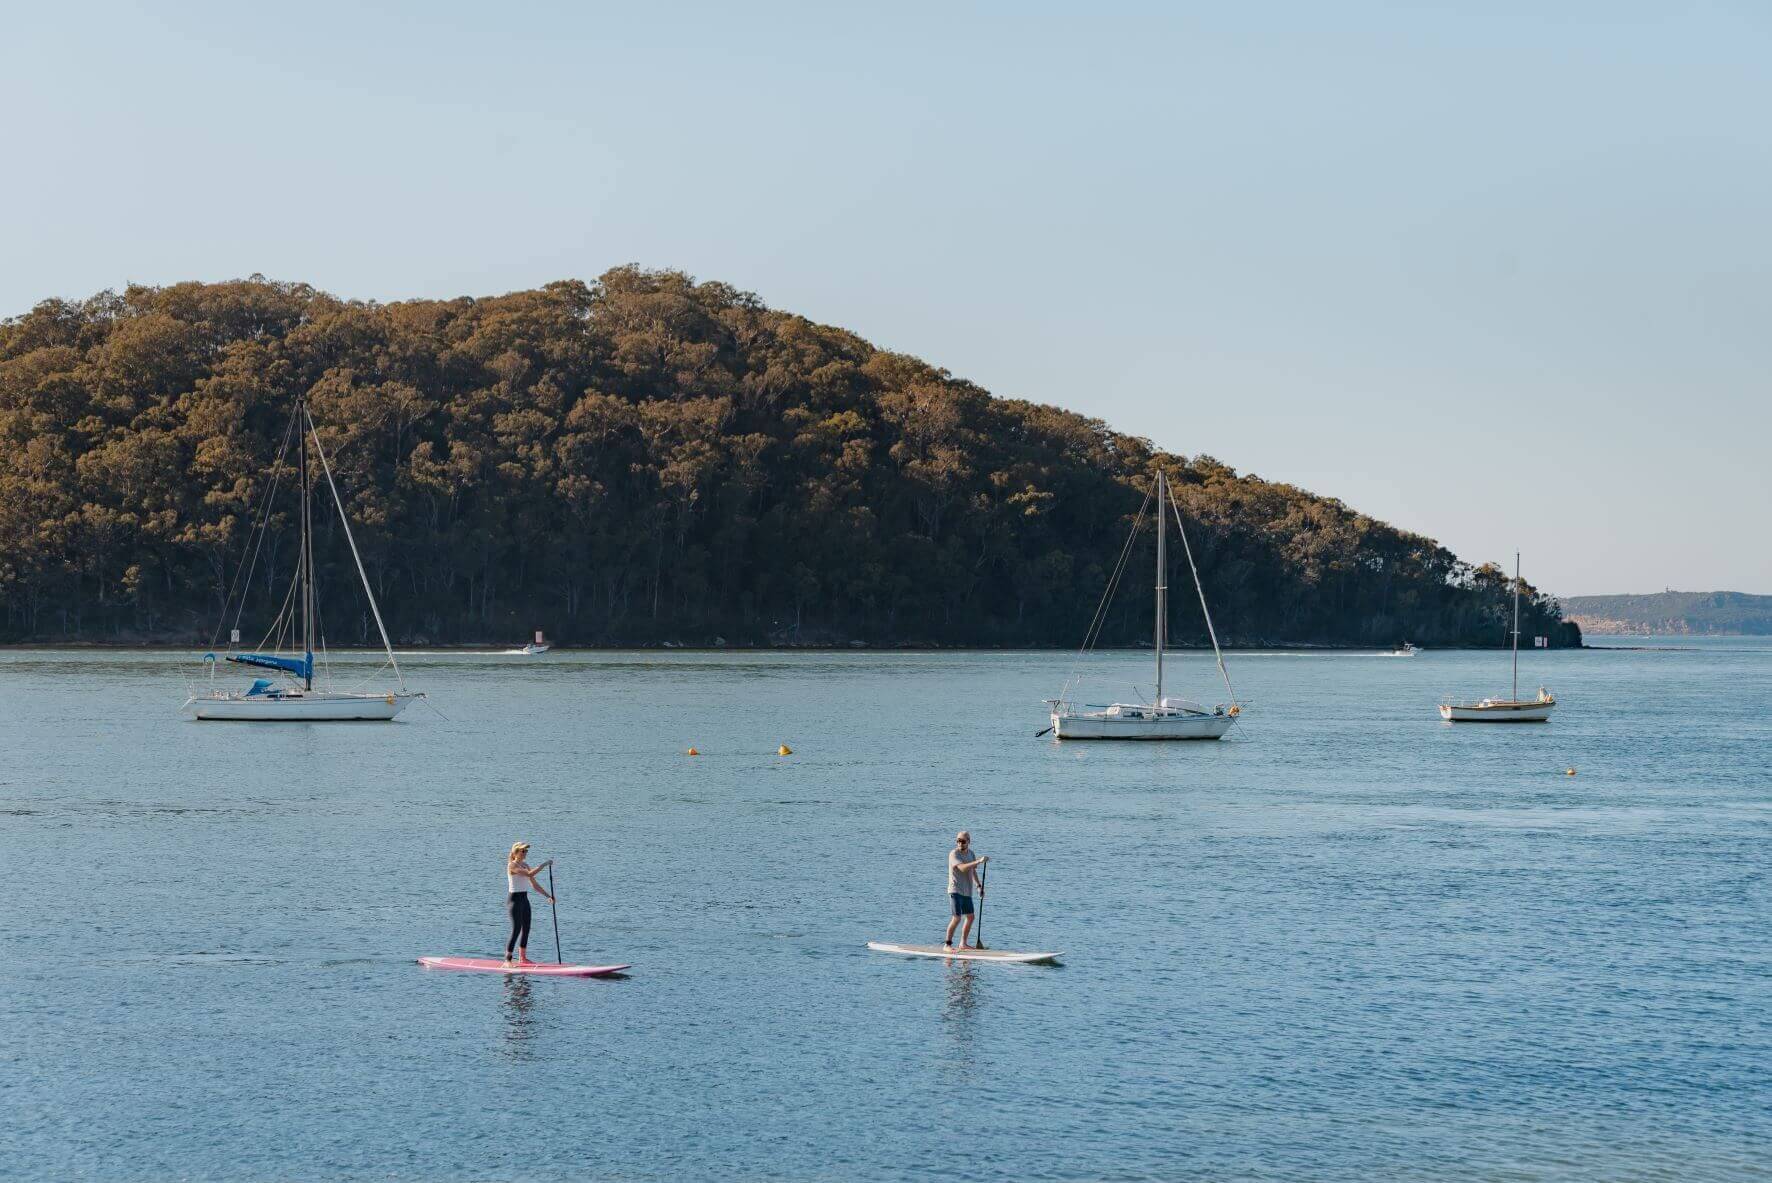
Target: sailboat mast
x=344 y=521
x=1516 y=697
x=307 y=555
x=1162 y=584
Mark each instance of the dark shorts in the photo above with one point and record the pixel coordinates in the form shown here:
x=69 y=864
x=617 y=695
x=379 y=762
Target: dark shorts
x=962 y=903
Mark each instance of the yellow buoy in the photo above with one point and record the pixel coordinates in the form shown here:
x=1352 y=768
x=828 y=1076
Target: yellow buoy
x=1568 y=772
x=692 y=752
x=784 y=750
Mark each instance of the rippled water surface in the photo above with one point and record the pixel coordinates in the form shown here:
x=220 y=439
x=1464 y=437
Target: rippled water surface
x=1350 y=943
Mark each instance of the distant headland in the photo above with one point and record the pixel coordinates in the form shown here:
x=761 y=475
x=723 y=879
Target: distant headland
x=1719 y=613
x=636 y=460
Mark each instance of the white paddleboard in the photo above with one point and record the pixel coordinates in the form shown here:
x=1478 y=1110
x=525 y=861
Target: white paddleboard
x=963 y=954
x=539 y=969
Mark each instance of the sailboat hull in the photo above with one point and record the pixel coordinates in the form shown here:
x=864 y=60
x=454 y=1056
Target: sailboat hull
x=1497 y=712
x=1094 y=726
x=312 y=707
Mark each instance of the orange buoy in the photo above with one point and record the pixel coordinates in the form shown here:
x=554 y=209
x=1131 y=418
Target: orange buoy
x=692 y=752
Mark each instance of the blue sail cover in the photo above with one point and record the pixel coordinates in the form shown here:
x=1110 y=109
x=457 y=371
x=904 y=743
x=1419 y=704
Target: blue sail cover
x=301 y=667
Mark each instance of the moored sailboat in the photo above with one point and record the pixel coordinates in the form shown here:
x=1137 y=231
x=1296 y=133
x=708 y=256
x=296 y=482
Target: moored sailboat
x=1512 y=709
x=294 y=697
x=1164 y=716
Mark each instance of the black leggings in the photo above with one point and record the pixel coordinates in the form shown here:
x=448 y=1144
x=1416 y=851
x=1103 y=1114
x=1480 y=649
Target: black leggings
x=518 y=907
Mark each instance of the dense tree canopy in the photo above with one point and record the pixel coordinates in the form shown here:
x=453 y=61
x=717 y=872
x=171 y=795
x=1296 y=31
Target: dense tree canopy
x=641 y=459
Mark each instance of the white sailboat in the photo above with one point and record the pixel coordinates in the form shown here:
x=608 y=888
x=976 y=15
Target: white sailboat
x=293 y=697
x=1512 y=709
x=1164 y=716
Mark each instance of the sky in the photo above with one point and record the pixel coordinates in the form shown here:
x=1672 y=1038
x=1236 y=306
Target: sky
x=1497 y=273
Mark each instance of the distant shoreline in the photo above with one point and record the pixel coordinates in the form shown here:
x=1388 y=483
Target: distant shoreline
x=1672 y=613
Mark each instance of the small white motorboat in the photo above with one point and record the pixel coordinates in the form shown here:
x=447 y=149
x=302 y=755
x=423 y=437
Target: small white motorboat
x=536 y=647
x=1513 y=708
x=1405 y=650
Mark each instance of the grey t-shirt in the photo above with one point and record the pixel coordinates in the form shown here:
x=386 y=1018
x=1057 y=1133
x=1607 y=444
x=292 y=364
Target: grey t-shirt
x=960 y=882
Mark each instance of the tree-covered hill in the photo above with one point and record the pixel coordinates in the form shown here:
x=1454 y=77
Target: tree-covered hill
x=1722 y=613
x=640 y=459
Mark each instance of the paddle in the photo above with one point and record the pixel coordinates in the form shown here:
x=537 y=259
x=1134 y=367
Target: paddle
x=978 y=933
x=555 y=901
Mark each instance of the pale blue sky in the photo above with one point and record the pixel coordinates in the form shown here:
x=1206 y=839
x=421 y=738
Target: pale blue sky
x=1494 y=272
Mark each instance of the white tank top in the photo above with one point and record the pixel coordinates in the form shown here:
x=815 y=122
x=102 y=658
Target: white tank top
x=517 y=882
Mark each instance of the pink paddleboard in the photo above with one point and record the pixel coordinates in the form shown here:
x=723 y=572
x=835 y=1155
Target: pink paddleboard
x=544 y=969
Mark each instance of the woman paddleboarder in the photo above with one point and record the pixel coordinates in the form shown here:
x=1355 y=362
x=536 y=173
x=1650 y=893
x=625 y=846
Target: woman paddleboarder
x=519 y=878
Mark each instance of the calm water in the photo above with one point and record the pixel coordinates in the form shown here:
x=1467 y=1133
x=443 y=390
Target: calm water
x=1354 y=943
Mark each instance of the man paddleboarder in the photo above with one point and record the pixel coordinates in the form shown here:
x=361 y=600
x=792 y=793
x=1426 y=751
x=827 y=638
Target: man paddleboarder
x=963 y=868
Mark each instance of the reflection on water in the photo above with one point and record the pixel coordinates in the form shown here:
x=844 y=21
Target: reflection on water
x=519 y=1005
x=960 y=1010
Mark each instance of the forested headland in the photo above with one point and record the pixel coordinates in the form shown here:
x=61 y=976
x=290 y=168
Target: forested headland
x=632 y=461
x=1721 y=613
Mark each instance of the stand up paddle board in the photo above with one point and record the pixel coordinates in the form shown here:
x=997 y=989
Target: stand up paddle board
x=963 y=954
x=541 y=969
